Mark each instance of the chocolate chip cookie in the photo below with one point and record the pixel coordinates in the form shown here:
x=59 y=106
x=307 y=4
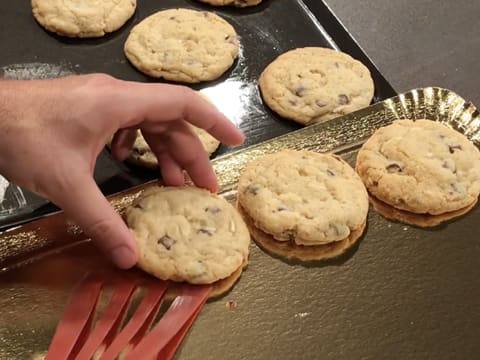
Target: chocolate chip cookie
x=189 y=235
x=303 y=204
x=142 y=155
x=313 y=84
x=420 y=172
x=182 y=45
x=84 y=19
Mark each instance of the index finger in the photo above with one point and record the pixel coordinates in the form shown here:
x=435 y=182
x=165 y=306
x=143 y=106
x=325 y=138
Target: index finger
x=154 y=104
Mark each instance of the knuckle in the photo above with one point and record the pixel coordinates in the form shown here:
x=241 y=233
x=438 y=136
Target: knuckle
x=99 y=79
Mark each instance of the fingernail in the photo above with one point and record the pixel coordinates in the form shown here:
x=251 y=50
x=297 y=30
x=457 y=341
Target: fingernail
x=123 y=257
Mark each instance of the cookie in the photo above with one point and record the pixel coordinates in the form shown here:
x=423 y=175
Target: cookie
x=83 y=19
x=313 y=84
x=237 y=3
x=218 y=288
x=422 y=220
x=182 y=45
x=142 y=155
x=425 y=171
x=187 y=234
x=304 y=199
x=289 y=250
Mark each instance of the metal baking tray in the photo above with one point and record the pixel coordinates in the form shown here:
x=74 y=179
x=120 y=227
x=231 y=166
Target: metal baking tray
x=267 y=30
x=402 y=292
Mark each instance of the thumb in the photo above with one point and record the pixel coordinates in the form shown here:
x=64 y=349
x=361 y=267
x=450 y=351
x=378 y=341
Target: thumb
x=88 y=208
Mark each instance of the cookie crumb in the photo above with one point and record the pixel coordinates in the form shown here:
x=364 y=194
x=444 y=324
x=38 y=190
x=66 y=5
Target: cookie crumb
x=231 y=305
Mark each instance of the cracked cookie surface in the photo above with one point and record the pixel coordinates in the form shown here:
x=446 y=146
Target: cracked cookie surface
x=303 y=197
x=421 y=166
x=188 y=234
x=182 y=45
x=314 y=84
x=87 y=18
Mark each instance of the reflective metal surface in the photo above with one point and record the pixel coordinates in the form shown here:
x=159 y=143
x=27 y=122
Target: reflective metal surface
x=394 y=295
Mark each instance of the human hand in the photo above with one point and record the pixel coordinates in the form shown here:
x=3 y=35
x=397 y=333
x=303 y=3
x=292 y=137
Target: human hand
x=51 y=132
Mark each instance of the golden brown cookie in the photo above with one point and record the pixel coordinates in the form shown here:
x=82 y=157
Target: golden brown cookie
x=314 y=84
x=425 y=171
x=183 y=45
x=187 y=234
x=303 y=203
x=142 y=155
x=84 y=19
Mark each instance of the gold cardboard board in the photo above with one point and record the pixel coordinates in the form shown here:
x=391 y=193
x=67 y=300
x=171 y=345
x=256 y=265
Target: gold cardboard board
x=284 y=310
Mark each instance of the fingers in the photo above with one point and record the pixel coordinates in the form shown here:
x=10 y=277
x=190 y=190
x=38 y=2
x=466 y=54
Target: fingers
x=88 y=208
x=186 y=150
x=122 y=143
x=157 y=103
x=172 y=173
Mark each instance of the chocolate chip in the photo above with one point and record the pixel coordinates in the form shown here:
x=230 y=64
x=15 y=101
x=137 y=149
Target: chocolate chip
x=292 y=102
x=166 y=241
x=394 y=168
x=330 y=172
x=139 y=151
x=207 y=231
x=449 y=165
x=452 y=148
x=172 y=17
x=320 y=103
x=282 y=208
x=456 y=188
x=343 y=99
x=337 y=65
x=299 y=91
x=230 y=39
x=213 y=209
x=253 y=189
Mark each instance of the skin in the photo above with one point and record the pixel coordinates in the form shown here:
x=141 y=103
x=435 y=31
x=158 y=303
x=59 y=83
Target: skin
x=51 y=132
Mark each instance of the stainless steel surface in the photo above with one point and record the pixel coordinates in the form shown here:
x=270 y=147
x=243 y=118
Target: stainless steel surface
x=419 y=43
x=401 y=293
